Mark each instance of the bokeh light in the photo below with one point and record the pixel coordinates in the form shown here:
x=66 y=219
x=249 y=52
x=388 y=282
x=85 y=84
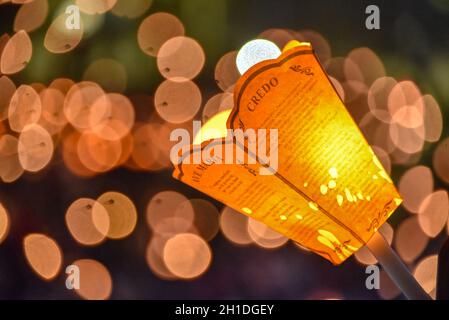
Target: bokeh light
x=95 y=6
x=31 y=15
x=108 y=73
x=83 y=226
x=86 y=105
x=157 y=29
x=226 y=72
x=187 y=255
x=180 y=58
x=10 y=169
x=410 y=240
x=16 y=54
x=388 y=289
x=35 y=148
x=433 y=213
x=264 y=236
x=43 y=254
x=414 y=186
x=234 y=226
x=155 y=260
x=219 y=102
x=25 y=108
x=170 y=212
x=440 y=160
x=177 y=102
x=88 y=110
x=254 y=52
x=121 y=211
x=426 y=274
x=206 y=221
x=364 y=255
x=60 y=39
x=95 y=280
x=4 y=223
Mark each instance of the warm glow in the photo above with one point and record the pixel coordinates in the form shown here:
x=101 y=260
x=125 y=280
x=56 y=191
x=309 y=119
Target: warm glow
x=180 y=58
x=214 y=128
x=410 y=240
x=177 y=102
x=187 y=255
x=31 y=15
x=170 y=212
x=59 y=39
x=330 y=192
x=256 y=51
x=121 y=211
x=235 y=226
x=16 y=53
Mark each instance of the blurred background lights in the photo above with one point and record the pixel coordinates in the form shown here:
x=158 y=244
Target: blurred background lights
x=410 y=239
x=180 y=58
x=83 y=226
x=31 y=15
x=59 y=39
x=440 y=160
x=265 y=237
x=214 y=128
x=97 y=154
x=43 y=254
x=78 y=105
x=121 y=211
x=254 y=52
x=89 y=110
x=52 y=116
x=234 y=226
x=7 y=90
x=177 y=102
x=35 y=148
x=119 y=119
x=364 y=255
x=95 y=6
x=219 y=102
x=16 y=53
x=206 y=220
x=95 y=282
x=10 y=169
x=187 y=255
x=157 y=29
x=173 y=206
x=426 y=273
x=24 y=109
x=131 y=9
x=388 y=289
x=108 y=73
x=154 y=258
